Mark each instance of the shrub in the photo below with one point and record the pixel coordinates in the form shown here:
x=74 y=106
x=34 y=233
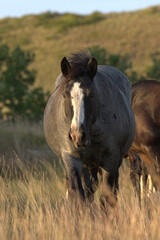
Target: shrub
x=63 y=22
x=122 y=63
x=99 y=53
x=154 y=70
x=15 y=81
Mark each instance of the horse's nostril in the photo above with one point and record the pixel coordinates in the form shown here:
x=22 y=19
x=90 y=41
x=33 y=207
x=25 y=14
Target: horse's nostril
x=70 y=132
x=79 y=139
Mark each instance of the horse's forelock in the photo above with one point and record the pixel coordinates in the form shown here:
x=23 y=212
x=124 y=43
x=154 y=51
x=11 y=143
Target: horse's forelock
x=79 y=64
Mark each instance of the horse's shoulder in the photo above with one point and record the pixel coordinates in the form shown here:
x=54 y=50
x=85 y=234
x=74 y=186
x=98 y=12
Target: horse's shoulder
x=116 y=79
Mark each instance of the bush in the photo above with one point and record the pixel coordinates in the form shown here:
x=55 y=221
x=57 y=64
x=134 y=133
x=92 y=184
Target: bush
x=45 y=19
x=16 y=98
x=122 y=63
x=153 y=72
x=99 y=53
x=63 y=22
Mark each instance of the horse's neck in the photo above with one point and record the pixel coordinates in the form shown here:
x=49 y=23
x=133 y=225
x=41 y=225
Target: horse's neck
x=59 y=81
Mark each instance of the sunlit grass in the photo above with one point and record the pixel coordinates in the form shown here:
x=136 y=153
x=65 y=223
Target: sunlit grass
x=33 y=203
x=34 y=207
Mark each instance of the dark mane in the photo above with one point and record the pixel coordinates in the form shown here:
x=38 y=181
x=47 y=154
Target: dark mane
x=79 y=62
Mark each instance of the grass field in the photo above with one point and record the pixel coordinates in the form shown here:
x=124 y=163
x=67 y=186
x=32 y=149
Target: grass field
x=33 y=204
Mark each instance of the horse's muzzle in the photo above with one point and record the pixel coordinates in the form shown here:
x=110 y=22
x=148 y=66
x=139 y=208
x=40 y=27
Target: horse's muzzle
x=79 y=138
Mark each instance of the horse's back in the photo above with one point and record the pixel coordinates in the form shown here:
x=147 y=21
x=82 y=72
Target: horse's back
x=145 y=90
x=145 y=99
x=145 y=104
x=118 y=78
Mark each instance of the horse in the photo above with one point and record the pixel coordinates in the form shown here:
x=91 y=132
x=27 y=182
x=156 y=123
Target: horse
x=89 y=124
x=146 y=108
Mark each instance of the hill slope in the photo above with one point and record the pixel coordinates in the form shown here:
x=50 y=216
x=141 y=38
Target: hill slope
x=51 y=36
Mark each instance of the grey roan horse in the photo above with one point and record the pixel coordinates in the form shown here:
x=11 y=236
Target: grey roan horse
x=89 y=124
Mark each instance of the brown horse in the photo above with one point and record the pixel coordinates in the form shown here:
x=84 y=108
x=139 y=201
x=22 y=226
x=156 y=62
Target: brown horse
x=146 y=108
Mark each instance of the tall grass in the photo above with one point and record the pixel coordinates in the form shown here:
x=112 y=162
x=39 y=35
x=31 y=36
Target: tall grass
x=33 y=204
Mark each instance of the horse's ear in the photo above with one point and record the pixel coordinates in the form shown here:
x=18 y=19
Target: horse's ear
x=65 y=67
x=92 y=67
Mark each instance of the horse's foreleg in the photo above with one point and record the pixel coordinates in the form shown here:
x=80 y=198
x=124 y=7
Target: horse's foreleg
x=109 y=190
x=136 y=173
x=73 y=177
x=90 y=182
x=152 y=162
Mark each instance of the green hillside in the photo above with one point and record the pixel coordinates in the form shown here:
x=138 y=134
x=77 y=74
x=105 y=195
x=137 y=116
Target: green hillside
x=52 y=35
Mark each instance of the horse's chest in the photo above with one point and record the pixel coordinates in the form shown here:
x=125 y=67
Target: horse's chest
x=93 y=157
x=102 y=158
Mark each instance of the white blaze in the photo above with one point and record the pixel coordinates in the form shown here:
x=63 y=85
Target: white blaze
x=77 y=98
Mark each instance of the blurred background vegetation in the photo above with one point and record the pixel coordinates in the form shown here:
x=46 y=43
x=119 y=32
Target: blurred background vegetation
x=19 y=96
x=31 y=48
x=51 y=36
x=16 y=95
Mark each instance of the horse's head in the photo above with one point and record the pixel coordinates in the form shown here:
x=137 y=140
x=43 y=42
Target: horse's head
x=80 y=98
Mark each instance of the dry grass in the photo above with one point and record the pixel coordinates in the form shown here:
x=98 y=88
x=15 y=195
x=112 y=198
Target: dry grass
x=33 y=205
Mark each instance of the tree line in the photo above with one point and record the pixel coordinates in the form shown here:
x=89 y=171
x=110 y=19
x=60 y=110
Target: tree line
x=19 y=97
